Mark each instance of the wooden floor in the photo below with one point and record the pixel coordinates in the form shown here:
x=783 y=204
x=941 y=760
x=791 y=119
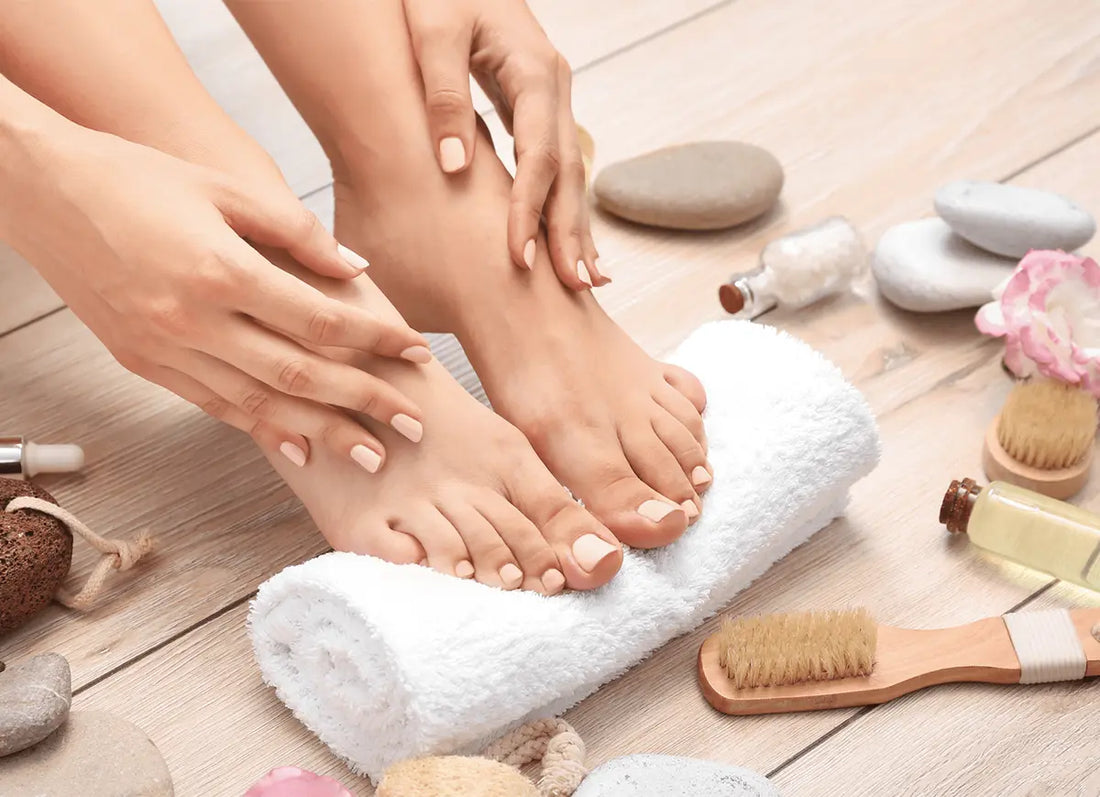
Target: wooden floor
x=870 y=106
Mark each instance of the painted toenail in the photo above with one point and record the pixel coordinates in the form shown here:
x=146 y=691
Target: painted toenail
x=408 y=427
x=700 y=476
x=452 y=154
x=294 y=453
x=417 y=354
x=529 y=254
x=553 y=581
x=582 y=273
x=656 y=510
x=511 y=575
x=369 y=459
x=589 y=550
x=353 y=259
x=690 y=509
x=464 y=569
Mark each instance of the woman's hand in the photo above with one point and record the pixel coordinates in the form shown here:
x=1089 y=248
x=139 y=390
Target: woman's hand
x=501 y=44
x=150 y=252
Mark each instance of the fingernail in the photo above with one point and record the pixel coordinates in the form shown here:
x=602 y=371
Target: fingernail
x=589 y=550
x=511 y=575
x=582 y=273
x=656 y=510
x=452 y=154
x=700 y=476
x=369 y=459
x=529 y=253
x=417 y=354
x=464 y=569
x=407 y=426
x=690 y=509
x=354 y=260
x=553 y=581
x=294 y=453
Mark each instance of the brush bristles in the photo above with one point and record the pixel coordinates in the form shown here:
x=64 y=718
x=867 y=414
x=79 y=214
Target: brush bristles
x=1048 y=425
x=792 y=648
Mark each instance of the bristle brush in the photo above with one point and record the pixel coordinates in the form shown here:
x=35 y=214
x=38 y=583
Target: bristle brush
x=819 y=660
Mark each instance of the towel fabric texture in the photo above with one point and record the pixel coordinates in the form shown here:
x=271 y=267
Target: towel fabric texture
x=385 y=662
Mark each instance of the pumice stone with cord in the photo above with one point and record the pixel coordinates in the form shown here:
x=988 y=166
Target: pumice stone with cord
x=22 y=458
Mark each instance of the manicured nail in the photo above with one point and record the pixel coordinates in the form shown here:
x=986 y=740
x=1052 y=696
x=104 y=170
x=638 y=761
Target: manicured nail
x=529 y=254
x=407 y=427
x=656 y=510
x=464 y=569
x=553 y=581
x=700 y=476
x=417 y=354
x=589 y=550
x=690 y=509
x=452 y=154
x=294 y=453
x=369 y=459
x=353 y=259
x=511 y=575
x=582 y=273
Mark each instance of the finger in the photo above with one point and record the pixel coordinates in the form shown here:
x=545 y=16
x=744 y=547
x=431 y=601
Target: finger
x=442 y=48
x=567 y=226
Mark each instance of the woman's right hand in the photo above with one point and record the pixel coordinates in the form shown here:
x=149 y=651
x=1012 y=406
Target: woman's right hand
x=151 y=253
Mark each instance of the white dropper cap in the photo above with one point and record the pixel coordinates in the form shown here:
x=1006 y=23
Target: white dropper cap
x=39 y=458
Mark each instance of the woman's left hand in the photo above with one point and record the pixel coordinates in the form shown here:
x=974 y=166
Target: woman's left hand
x=501 y=44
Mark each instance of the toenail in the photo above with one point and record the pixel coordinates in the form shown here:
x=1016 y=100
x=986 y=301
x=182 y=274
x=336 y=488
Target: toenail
x=417 y=354
x=582 y=273
x=529 y=254
x=700 y=476
x=511 y=575
x=294 y=453
x=590 y=550
x=656 y=510
x=553 y=581
x=690 y=509
x=369 y=459
x=464 y=569
x=408 y=427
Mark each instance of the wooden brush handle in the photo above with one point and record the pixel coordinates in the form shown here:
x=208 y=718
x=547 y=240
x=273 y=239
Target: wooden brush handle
x=906 y=660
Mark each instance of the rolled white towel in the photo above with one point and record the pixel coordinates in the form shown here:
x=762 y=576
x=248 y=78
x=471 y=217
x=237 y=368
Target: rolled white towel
x=384 y=662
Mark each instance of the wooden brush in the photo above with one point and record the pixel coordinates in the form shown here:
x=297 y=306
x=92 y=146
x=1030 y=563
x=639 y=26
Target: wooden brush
x=818 y=660
x=1043 y=439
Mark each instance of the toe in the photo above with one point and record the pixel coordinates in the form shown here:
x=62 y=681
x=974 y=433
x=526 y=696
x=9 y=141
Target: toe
x=686 y=450
x=649 y=456
x=539 y=568
x=688 y=385
x=633 y=511
x=680 y=407
x=374 y=536
x=443 y=546
x=492 y=559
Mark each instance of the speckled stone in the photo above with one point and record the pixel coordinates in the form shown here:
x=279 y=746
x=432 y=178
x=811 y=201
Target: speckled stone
x=35 y=553
x=35 y=695
x=94 y=754
x=706 y=185
x=672 y=776
x=1010 y=220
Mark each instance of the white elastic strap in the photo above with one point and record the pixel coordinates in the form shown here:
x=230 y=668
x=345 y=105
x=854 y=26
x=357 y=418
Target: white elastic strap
x=1047 y=646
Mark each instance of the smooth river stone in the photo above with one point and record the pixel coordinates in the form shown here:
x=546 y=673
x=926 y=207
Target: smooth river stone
x=94 y=754
x=671 y=776
x=34 y=700
x=922 y=266
x=707 y=185
x=1010 y=220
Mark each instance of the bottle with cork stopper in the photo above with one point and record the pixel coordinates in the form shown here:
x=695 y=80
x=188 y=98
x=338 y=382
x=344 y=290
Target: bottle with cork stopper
x=1026 y=527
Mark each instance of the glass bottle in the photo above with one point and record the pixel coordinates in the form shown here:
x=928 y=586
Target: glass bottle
x=1033 y=530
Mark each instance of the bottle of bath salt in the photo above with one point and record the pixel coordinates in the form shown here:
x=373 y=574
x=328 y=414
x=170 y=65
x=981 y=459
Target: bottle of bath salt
x=799 y=269
x=1030 y=529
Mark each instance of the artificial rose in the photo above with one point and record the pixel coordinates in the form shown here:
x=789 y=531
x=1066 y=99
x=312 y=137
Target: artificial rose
x=1048 y=312
x=295 y=782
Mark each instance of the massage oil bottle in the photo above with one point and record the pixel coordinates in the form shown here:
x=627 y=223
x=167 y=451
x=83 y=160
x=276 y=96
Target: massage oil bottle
x=1030 y=529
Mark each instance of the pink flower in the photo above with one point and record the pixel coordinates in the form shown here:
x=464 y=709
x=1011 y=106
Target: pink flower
x=1048 y=312
x=294 y=782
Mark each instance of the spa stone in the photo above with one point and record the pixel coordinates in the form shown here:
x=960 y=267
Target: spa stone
x=672 y=776
x=35 y=553
x=94 y=754
x=34 y=700
x=707 y=185
x=1011 y=220
x=922 y=266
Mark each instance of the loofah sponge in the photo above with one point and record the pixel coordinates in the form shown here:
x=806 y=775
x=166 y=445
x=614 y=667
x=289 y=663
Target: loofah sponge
x=454 y=776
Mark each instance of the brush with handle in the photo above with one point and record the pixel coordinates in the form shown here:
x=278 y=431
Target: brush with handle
x=820 y=660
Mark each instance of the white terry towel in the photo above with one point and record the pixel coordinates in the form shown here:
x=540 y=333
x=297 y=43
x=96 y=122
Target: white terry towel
x=384 y=662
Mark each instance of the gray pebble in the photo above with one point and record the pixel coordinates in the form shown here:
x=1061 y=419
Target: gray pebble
x=34 y=700
x=671 y=776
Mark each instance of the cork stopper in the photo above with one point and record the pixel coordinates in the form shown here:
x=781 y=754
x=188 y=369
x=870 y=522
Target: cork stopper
x=957 y=504
x=732 y=298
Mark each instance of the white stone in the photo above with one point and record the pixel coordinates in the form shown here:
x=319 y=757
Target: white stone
x=672 y=776
x=1010 y=220
x=922 y=266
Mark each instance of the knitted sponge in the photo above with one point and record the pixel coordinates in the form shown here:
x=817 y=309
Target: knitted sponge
x=454 y=776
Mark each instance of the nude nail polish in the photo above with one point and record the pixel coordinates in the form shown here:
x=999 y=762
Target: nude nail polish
x=464 y=569
x=407 y=427
x=553 y=581
x=452 y=154
x=294 y=453
x=590 y=550
x=529 y=254
x=656 y=510
x=511 y=575
x=700 y=476
x=417 y=354
x=367 y=458
x=690 y=509
x=356 y=261
x=582 y=273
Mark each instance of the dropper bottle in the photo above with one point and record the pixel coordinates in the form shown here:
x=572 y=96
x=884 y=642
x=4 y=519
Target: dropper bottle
x=1033 y=530
x=19 y=457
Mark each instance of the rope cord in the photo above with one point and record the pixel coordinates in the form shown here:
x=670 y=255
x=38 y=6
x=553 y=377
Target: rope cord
x=556 y=743
x=1047 y=646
